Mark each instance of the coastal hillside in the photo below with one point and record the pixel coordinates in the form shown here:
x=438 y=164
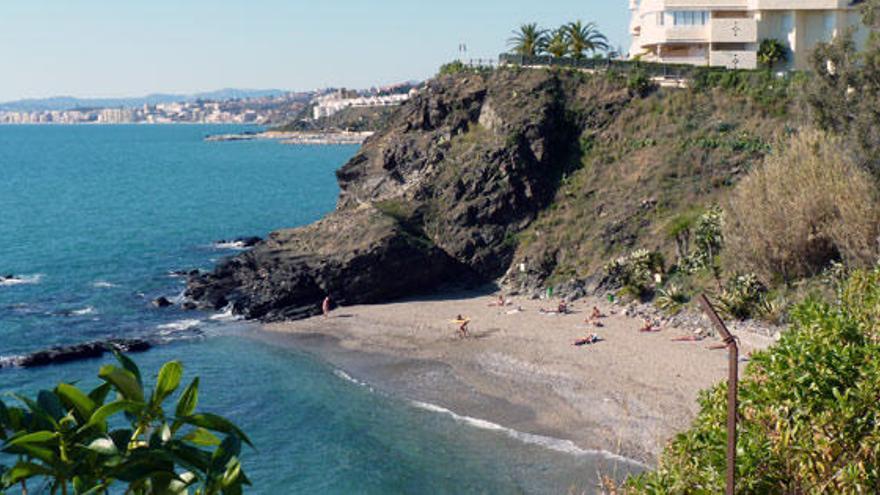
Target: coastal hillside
x=553 y=172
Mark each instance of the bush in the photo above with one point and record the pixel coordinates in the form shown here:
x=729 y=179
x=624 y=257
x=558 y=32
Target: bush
x=635 y=273
x=743 y=297
x=809 y=419
x=640 y=83
x=708 y=241
x=807 y=206
x=671 y=299
x=771 y=52
x=451 y=68
x=63 y=439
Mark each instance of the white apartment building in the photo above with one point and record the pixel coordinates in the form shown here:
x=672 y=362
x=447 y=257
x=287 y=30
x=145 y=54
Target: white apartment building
x=727 y=33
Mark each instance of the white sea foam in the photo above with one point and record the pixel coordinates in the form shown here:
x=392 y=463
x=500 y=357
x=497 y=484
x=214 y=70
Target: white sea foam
x=178 y=326
x=557 y=444
x=226 y=315
x=235 y=245
x=21 y=280
x=101 y=284
x=88 y=310
x=345 y=376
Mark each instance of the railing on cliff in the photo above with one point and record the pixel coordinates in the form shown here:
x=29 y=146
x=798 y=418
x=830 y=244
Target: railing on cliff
x=651 y=69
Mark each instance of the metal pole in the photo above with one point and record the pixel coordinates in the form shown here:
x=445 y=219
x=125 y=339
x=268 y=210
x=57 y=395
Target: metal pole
x=732 y=385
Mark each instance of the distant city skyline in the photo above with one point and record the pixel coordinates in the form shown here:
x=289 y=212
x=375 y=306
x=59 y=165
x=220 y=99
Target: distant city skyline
x=111 y=49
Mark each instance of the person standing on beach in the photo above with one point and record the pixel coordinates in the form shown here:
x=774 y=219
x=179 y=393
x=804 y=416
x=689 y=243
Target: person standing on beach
x=325 y=307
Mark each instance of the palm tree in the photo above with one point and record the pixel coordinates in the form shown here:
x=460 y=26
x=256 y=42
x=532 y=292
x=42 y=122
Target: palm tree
x=557 y=42
x=529 y=40
x=585 y=38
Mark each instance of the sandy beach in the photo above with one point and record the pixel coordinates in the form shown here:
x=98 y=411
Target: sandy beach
x=626 y=394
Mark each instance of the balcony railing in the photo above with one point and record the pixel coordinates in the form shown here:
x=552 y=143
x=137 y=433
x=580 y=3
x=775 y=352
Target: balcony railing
x=733 y=59
x=742 y=30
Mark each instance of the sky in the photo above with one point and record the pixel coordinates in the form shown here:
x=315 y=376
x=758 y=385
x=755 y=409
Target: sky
x=116 y=48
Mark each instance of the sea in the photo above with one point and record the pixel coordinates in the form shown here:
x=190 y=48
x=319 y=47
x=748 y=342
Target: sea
x=95 y=221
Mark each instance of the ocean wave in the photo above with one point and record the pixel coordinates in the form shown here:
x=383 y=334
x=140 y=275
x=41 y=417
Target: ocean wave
x=231 y=245
x=88 y=310
x=557 y=444
x=345 y=376
x=20 y=280
x=226 y=314
x=101 y=284
x=178 y=326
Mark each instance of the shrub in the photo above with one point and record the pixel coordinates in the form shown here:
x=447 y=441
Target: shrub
x=807 y=206
x=743 y=297
x=771 y=52
x=451 y=68
x=635 y=273
x=708 y=241
x=671 y=299
x=64 y=440
x=809 y=420
x=640 y=83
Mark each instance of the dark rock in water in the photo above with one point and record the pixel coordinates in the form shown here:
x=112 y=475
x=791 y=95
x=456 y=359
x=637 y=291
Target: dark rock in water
x=189 y=306
x=78 y=352
x=8 y=276
x=161 y=302
x=436 y=198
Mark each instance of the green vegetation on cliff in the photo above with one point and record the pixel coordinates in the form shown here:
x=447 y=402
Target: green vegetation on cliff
x=809 y=419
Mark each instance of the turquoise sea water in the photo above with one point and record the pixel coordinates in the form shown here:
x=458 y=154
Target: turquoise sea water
x=96 y=217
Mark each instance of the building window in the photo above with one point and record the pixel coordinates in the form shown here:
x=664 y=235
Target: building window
x=690 y=18
x=660 y=18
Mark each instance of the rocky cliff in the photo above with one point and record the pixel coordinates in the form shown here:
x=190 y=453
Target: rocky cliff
x=437 y=197
x=479 y=171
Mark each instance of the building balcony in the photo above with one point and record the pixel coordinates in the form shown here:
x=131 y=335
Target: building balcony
x=708 y=4
x=736 y=30
x=734 y=59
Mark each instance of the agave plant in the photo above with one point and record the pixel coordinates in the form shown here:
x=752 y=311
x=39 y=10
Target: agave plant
x=529 y=40
x=64 y=438
x=671 y=299
x=585 y=38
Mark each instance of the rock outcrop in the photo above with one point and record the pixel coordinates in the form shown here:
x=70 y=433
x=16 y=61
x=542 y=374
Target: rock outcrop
x=437 y=197
x=76 y=352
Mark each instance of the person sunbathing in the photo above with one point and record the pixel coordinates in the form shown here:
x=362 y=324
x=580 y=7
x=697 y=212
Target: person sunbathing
x=649 y=327
x=500 y=302
x=688 y=338
x=590 y=339
x=562 y=308
x=596 y=314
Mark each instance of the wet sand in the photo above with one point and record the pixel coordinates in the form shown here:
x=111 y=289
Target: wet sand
x=627 y=394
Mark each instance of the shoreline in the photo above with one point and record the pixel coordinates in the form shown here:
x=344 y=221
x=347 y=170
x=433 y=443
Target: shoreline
x=302 y=138
x=626 y=395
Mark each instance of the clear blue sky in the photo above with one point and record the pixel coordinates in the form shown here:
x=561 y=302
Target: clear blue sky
x=110 y=48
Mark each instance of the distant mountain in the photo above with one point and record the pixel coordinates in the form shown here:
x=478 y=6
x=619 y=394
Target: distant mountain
x=69 y=102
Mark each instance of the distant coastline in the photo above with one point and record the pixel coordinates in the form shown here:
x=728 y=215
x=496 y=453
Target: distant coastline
x=297 y=137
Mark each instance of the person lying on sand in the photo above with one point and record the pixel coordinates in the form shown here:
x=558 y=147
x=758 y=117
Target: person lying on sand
x=649 y=327
x=500 y=302
x=590 y=339
x=519 y=309
x=688 y=338
x=561 y=309
x=462 y=323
